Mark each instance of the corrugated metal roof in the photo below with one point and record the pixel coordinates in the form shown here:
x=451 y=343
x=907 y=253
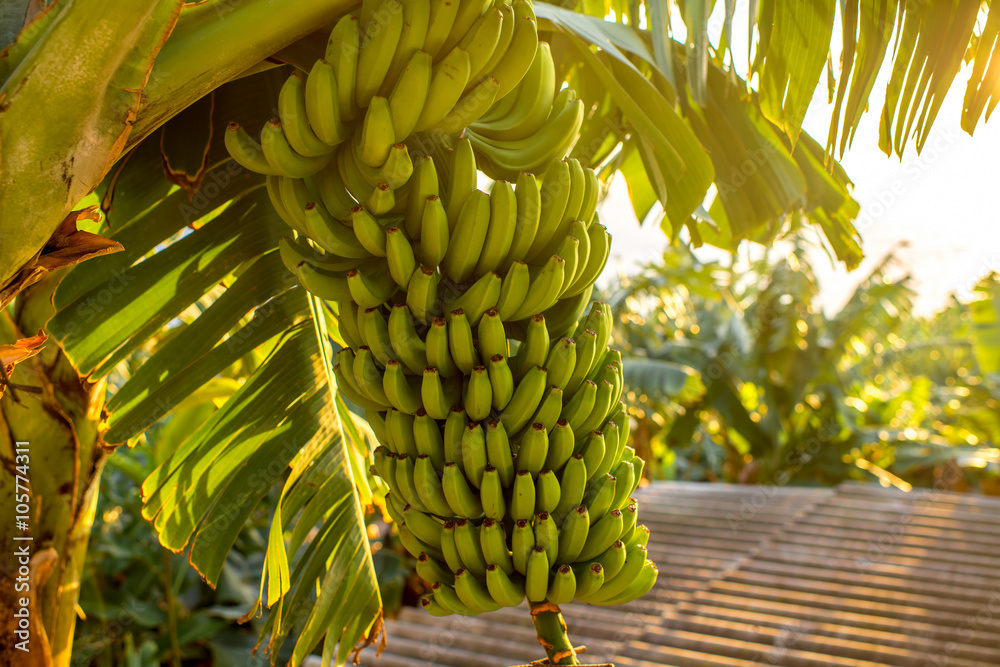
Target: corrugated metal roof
x=755 y=575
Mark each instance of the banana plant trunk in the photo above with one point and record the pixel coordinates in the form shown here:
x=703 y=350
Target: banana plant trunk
x=43 y=554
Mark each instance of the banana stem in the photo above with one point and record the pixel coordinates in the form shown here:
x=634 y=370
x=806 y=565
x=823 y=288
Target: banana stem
x=551 y=630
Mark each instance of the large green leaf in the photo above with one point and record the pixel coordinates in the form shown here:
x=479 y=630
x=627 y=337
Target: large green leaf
x=983 y=90
x=661 y=379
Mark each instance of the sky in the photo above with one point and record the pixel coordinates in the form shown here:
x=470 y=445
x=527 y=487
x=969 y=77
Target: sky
x=941 y=204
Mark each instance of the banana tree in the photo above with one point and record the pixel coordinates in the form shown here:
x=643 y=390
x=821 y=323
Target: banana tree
x=195 y=228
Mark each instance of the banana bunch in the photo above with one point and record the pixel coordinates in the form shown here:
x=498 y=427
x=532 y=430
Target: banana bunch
x=495 y=401
x=513 y=477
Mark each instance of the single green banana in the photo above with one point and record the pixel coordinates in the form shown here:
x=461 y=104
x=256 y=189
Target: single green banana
x=461 y=342
x=467 y=238
x=547 y=491
x=549 y=409
x=492 y=336
x=403 y=483
x=544 y=290
x=577 y=191
x=630 y=516
x=294 y=196
x=322 y=105
x=579 y=232
x=428 y=439
x=367 y=377
x=547 y=535
x=462 y=181
x=491 y=495
x=348 y=321
x=352 y=394
x=642 y=584
x=402 y=262
x=376 y=330
x=481 y=41
x=448 y=80
x=400 y=430
x=554 y=194
x=525 y=400
x=589 y=580
x=529 y=208
x=522 y=543
x=371 y=290
x=602 y=535
x=513 y=290
x=342 y=51
x=473 y=592
x=602 y=405
x=635 y=559
x=331 y=235
x=413 y=544
x=561 y=362
x=422 y=299
x=532 y=449
x=468 y=108
x=522 y=501
x=327 y=285
x=591 y=197
x=563 y=586
x=535 y=349
x=468 y=13
x=378 y=460
x=461 y=498
x=437 y=394
x=573 y=535
x=470 y=549
x=479 y=298
x=439 y=351
x=423 y=184
x=442 y=18
x=520 y=53
x=407 y=345
x=473 y=452
x=612 y=560
x=432 y=571
x=593 y=450
x=377 y=134
x=382 y=199
x=494 y=542
x=503 y=40
x=434 y=233
x=408 y=96
x=424 y=526
x=561 y=445
x=376 y=420
x=502 y=224
x=247 y=152
x=536 y=580
x=501 y=381
x=454 y=429
x=448 y=598
x=378 y=46
x=572 y=485
x=416 y=19
x=599 y=496
x=569 y=250
x=354 y=180
x=503 y=589
x=579 y=407
x=402 y=391
x=295 y=122
x=586 y=352
x=430 y=604
x=625 y=474
x=333 y=193
x=600 y=249
x=282 y=157
x=478 y=394
x=273 y=187
x=448 y=548
x=498 y=452
x=428 y=487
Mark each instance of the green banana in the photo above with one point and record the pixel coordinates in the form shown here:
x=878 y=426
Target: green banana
x=494 y=543
x=532 y=98
x=448 y=598
x=403 y=483
x=461 y=342
x=503 y=589
x=377 y=134
x=625 y=474
x=602 y=535
x=423 y=526
x=352 y=394
x=369 y=291
x=473 y=452
x=334 y=195
x=454 y=429
x=513 y=290
x=378 y=460
x=442 y=18
x=428 y=487
x=469 y=547
x=544 y=290
x=408 y=96
x=635 y=560
x=402 y=391
x=535 y=349
x=589 y=580
x=430 y=604
x=439 y=349
x=407 y=345
x=247 y=152
x=468 y=13
x=532 y=449
x=492 y=336
x=448 y=80
x=416 y=19
x=434 y=232
x=547 y=491
x=522 y=543
x=600 y=249
x=573 y=535
x=536 y=580
x=561 y=445
x=331 y=235
x=402 y=262
x=529 y=209
x=612 y=560
x=367 y=377
x=498 y=452
x=378 y=47
x=501 y=381
x=430 y=570
x=462 y=180
x=421 y=297
x=322 y=105
x=448 y=548
x=295 y=121
x=481 y=41
x=382 y=199
x=479 y=298
x=472 y=592
x=548 y=410
x=413 y=544
x=525 y=400
x=437 y=394
x=491 y=495
x=522 y=501
x=572 y=485
x=400 y=429
x=593 y=450
x=468 y=108
x=520 y=53
x=423 y=184
x=327 y=285
x=563 y=586
x=502 y=224
x=467 y=238
x=561 y=362
x=599 y=496
x=579 y=407
x=457 y=491
x=342 y=51
x=376 y=330
x=427 y=438
x=629 y=515
x=641 y=584
x=503 y=40
x=547 y=535
x=282 y=157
